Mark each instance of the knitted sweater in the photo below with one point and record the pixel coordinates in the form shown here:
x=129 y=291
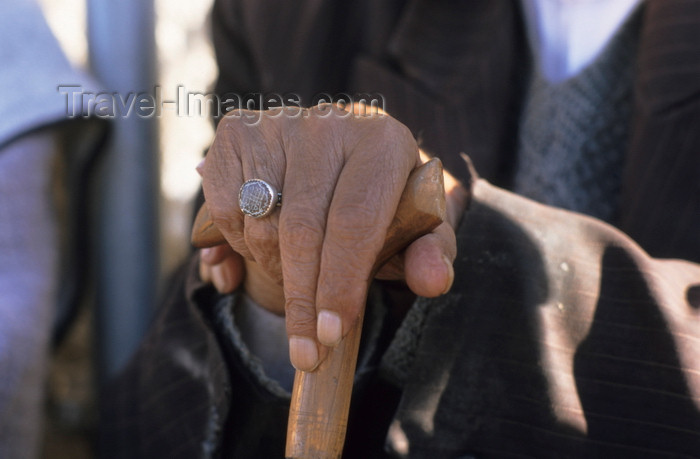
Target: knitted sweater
x=573 y=134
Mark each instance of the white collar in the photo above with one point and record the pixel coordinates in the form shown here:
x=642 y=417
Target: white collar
x=567 y=35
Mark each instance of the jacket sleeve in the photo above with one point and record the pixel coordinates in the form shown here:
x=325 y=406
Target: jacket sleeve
x=188 y=392
x=560 y=334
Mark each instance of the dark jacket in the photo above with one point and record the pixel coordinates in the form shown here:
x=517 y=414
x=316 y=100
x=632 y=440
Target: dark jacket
x=562 y=336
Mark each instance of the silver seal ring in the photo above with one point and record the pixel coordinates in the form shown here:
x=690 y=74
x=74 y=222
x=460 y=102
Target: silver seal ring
x=257 y=198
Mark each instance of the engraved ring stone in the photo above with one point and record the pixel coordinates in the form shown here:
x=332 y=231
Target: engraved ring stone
x=257 y=198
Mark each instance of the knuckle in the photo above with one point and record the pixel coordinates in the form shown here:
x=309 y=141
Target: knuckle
x=260 y=234
x=230 y=123
x=300 y=231
x=399 y=136
x=231 y=226
x=343 y=277
x=273 y=268
x=240 y=247
x=353 y=222
x=225 y=138
x=392 y=126
x=300 y=314
x=343 y=288
x=261 y=240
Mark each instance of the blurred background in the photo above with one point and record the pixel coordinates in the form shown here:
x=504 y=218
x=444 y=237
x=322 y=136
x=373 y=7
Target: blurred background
x=142 y=209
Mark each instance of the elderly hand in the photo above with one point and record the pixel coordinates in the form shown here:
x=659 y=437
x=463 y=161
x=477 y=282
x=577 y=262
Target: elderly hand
x=341 y=176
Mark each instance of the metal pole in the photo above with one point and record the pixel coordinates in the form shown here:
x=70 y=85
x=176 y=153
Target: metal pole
x=122 y=57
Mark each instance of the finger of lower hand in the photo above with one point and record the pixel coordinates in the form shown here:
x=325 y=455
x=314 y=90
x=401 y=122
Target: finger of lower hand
x=215 y=255
x=227 y=275
x=224 y=268
x=204 y=272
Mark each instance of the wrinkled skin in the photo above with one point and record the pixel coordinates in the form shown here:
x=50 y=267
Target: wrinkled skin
x=341 y=176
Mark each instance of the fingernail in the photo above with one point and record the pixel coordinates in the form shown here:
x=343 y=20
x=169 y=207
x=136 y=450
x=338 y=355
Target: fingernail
x=329 y=328
x=303 y=353
x=450 y=274
x=221 y=278
x=205 y=273
x=205 y=254
x=200 y=167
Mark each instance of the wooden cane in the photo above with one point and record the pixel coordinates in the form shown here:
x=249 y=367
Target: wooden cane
x=321 y=399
